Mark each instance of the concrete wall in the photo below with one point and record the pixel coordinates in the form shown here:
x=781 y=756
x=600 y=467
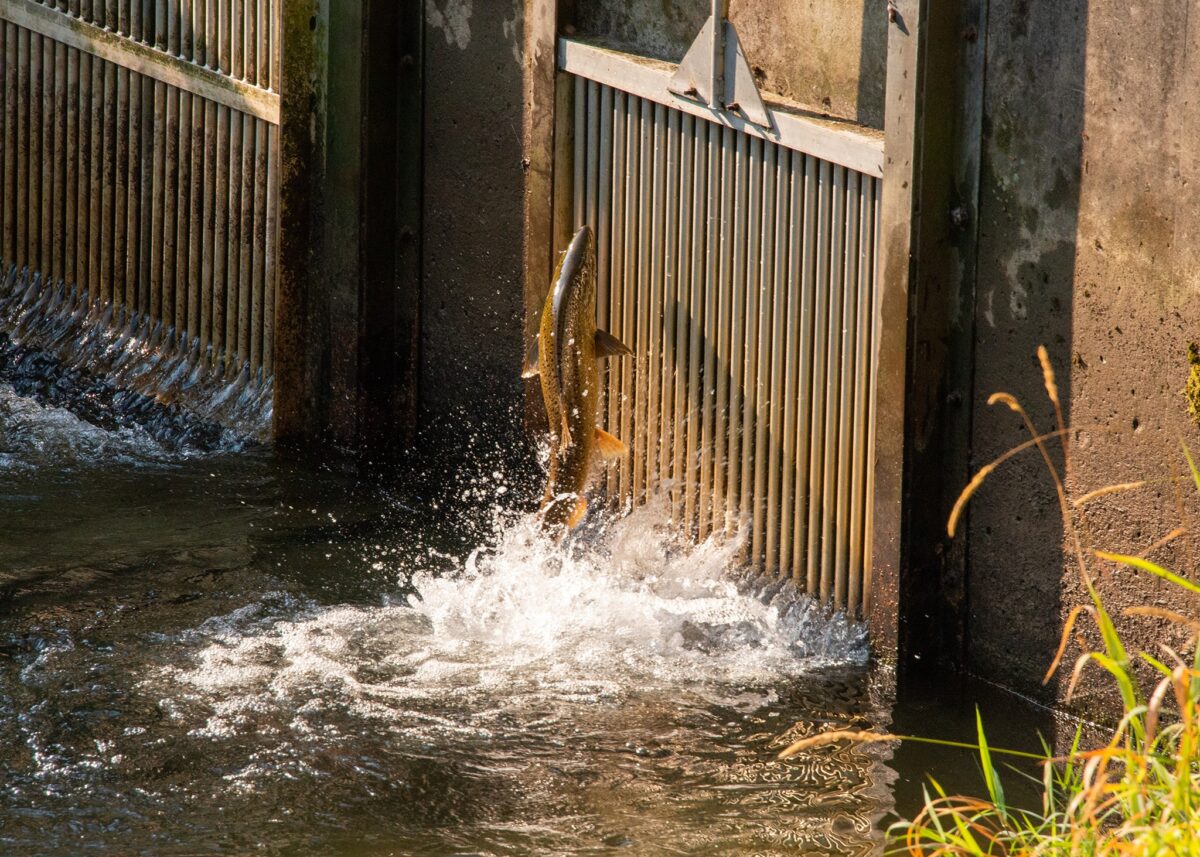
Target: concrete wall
x=471 y=305
x=1088 y=244
x=829 y=57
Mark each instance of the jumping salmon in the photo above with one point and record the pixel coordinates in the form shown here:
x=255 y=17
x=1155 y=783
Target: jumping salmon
x=565 y=354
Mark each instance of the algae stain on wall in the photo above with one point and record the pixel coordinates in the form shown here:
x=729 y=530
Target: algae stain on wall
x=453 y=18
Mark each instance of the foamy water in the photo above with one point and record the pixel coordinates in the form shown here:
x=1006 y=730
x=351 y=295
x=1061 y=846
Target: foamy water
x=33 y=434
x=628 y=611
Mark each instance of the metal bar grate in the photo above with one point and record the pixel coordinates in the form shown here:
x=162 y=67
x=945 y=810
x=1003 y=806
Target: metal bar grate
x=140 y=161
x=742 y=273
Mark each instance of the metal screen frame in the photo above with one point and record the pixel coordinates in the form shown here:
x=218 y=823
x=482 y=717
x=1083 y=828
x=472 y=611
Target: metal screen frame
x=779 y=444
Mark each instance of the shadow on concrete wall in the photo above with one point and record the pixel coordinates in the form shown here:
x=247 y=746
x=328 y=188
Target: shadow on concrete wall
x=1033 y=126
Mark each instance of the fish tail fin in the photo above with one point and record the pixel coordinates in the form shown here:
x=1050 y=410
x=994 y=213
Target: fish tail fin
x=609 y=447
x=577 y=513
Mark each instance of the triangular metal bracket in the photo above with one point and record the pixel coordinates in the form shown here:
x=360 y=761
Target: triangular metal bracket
x=716 y=72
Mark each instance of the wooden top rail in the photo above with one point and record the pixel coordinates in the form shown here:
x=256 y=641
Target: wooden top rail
x=854 y=146
x=143 y=59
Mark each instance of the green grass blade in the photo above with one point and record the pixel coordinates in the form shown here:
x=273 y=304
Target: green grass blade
x=1147 y=566
x=990 y=774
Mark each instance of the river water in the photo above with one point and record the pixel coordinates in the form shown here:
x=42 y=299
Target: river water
x=204 y=650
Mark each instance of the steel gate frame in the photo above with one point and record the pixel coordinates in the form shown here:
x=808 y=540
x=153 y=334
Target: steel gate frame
x=548 y=212
x=153 y=216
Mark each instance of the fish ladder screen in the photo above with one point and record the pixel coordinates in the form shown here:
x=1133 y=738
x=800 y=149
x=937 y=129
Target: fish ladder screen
x=743 y=275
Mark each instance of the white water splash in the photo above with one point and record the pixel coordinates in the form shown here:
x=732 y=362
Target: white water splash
x=527 y=621
x=33 y=434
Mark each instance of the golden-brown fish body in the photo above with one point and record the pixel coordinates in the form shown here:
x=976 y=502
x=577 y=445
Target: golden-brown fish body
x=568 y=349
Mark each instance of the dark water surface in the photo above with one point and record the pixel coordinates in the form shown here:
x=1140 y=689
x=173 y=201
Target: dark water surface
x=210 y=652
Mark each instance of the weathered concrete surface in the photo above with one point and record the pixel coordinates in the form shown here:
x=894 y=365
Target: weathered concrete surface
x=830 y=57
x=472 y=307
x=1088 y=244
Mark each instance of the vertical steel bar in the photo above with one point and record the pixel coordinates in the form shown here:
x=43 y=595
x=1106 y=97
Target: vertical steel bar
x=858 y=452
x=13 y=95
x=796 y=365
x=212 y=33
x=237 y=37
x=723 y=286
x=272 y=245
x=121 y=193
x=641 y=297
x=96 y=275
x=779 y=354
x=628 y=306
x=149 y=133
x=750 y=369
x=108 y=146
x=231 y=244
x=46 y=161
x=259 y=244
x=183 y=207
x=605 y=214
x=766 y=285
x=246 y=234
x=83 y=187
x=617 y=275
x=34 y=176
x=195 y=222
x=160 y=8
x=171 y=13
x=737 y=341
x=22 y=256
x=654 y=357
x=680 y=464
x=670 y=304
x=816 y=468
x=837 y=234
x=27 y=143
x=580 y=122
x=696 y=325
x=263 y=46
x=171 y=173
x=711 y=242
x=58 y=190
x=224 y=35
x=850 y=370
x=591 y=177
x=250 y=39
x=158 y=197
x=209 y=287
x=133 y=184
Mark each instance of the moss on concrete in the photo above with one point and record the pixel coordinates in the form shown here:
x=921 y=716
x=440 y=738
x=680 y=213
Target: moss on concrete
x=1192 y=391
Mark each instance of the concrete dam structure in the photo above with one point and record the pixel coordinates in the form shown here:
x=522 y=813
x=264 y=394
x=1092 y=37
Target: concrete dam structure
x=829 y=232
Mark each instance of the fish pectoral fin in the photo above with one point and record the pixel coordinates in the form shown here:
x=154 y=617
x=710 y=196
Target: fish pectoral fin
x=565 y=441
x=608 y=345
x=577 y=513
x=531 y=369
x=609 y=447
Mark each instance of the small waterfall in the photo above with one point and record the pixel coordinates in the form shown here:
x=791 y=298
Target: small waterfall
x=153 y=371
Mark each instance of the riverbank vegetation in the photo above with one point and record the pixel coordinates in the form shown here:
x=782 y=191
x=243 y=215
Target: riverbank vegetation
x=1135 y=793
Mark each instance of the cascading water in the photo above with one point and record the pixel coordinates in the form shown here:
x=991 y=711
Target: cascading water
x=151 y=371
x=207 y=652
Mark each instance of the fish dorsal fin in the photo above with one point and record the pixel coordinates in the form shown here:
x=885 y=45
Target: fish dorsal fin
x=577 y=513
x=608 y=345
x=609 y=447
x=531 y=368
